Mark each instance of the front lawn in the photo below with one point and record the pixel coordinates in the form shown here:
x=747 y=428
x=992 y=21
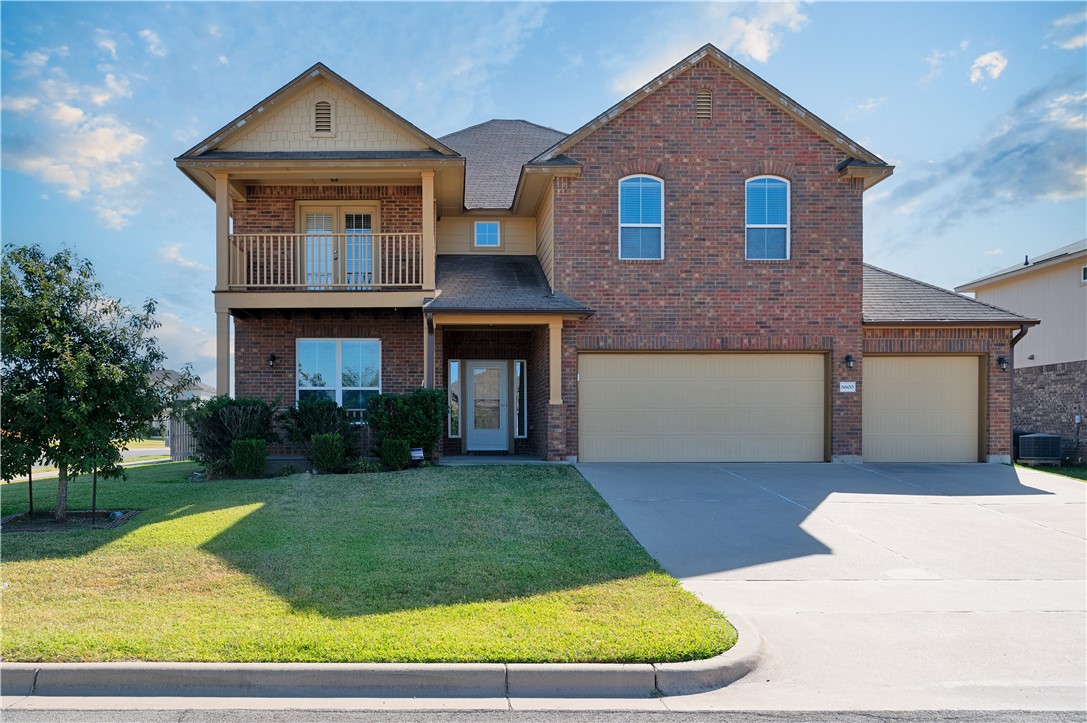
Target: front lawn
x=1077 y=471
x=488 y=564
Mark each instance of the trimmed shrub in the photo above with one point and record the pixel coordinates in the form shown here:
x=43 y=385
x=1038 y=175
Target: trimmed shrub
x=247 y=457
x=396 y=453
x=415 y=418
x=319 y=416
x=218 y=422
x=328 y=452
x=366 y=465
x=287 y=470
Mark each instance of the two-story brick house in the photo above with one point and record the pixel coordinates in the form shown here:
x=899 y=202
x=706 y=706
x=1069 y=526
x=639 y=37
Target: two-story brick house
x=680 y=279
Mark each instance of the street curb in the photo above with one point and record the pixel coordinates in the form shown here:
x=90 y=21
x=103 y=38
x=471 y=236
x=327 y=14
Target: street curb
x=391 y=680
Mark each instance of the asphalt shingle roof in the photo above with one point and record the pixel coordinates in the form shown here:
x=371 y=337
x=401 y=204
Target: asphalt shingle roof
x=495 y=151
x=890 y=297
x=491 y=283
x=317 y=155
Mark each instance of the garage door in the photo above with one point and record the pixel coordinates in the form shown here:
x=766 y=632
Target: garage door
x=920 y=409
x=700 y=407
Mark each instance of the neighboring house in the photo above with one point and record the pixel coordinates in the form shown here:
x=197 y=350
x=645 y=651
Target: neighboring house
x=1051 y=362
x=680 y=279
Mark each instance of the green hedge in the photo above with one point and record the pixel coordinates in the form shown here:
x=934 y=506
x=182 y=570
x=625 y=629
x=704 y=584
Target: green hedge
x=415 y=418
x=247 y=457
x=328 y=452
x=220 y=421
x=320 y=417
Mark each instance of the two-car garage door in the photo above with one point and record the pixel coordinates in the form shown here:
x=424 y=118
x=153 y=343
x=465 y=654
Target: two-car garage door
x=673 y=407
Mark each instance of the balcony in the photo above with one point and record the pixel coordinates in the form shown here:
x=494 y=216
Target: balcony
x=325 y=262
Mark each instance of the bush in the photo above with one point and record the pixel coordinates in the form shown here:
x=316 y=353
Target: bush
x=287 y=470
x=366 y=465
x=414 y=418
x=396 y=453
x=247 y=457
x=328 y=452
x=319 y=416
x=218 y=422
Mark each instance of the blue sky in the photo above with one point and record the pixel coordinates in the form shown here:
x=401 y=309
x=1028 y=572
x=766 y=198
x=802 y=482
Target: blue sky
x=981 y=106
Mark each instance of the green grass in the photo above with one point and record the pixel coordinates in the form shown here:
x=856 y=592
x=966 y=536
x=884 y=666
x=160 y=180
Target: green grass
x=146 y=444
x=490 y=564
x=1076 y=471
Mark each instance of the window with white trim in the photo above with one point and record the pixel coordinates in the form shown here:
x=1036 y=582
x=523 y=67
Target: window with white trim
x=520 y=399
x=347 y=371
x=767 y=217
x=487 y=235
x=454 y=387
x=641 y=217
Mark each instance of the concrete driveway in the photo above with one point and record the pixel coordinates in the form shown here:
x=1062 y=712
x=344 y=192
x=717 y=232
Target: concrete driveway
x=906 y=587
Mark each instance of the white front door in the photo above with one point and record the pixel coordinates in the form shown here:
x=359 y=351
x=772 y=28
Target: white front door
x=486 y=402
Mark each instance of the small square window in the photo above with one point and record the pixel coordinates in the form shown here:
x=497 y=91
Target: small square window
x=487 y=234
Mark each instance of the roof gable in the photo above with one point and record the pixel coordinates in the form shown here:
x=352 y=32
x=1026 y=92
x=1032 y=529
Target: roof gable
x=282 y=122
x=1030 y=265
x=709 y=52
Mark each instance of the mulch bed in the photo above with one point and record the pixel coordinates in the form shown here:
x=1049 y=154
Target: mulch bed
x=77 y=520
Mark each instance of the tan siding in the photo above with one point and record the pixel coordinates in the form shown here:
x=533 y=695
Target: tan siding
x=289 y=128
x=517 y=235
x=1055 y=296
x=920 y=409
x=545 y=235
x=701 y=407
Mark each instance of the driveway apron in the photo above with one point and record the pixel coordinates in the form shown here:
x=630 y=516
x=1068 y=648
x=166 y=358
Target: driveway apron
x=877 y=586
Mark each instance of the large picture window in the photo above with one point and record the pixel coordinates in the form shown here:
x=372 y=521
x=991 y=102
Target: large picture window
x=641 y=218
x=767 y=218
x=347 y=371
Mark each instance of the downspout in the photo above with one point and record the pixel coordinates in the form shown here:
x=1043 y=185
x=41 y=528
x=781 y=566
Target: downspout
x=1011 y=384
x=428 y=377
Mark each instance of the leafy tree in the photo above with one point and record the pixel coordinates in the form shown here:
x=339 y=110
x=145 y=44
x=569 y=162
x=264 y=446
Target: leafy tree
x=77 y=368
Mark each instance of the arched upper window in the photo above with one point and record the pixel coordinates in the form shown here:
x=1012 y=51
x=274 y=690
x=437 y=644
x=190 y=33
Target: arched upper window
x=767 y=218
x=641 y=217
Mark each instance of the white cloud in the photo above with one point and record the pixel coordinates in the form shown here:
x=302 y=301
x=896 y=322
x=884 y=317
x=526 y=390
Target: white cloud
x=214 y=31
x=1068 y=110
x=994 y=252
x=19 y=104
x=865 y=108
x=1076 y=41
x=991 y=64
x=935 y=59
x=184 y=343
x=66 y=115
x=154 y=43
x=171 y=254
x=748 y=31
x=106 y=43
x=223 y=60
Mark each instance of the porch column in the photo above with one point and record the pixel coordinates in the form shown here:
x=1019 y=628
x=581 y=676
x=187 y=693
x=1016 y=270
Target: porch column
x=222 y=352
x=222 y=232
x=554 y=347
x=428 y=229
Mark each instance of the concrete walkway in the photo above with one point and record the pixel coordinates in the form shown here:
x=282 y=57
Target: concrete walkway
x=906 y=587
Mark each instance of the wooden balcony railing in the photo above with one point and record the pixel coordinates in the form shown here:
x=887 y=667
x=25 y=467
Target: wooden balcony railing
x=326 y=262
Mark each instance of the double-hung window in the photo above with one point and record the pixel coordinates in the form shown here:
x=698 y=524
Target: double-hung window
x=767 y=218
x=347 y=371
x=641 y=218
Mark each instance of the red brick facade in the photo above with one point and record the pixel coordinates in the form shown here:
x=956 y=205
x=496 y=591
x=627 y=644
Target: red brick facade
x=273 y=209
x=704 y=294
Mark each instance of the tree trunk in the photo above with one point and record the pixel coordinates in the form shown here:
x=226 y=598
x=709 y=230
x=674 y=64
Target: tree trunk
x=61 y=513
x=30 y=488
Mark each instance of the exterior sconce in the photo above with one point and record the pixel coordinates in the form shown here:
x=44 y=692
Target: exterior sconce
x=1002 y=362
x=272 y=360
x=850 y=360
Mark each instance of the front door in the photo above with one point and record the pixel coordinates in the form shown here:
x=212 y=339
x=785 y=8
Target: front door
x=486 y=406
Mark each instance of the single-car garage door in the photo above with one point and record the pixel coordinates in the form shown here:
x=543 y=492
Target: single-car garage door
x=701 y=407
x=920 y=409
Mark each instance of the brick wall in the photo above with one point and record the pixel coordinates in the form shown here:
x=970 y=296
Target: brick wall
x=271 y=209
x=1047 y=399
x=988 y=342
x=704 y=294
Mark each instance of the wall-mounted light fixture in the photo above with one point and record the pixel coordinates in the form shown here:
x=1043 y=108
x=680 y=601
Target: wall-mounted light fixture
x=1002 y=362
x=850 y=360
x=271 y=360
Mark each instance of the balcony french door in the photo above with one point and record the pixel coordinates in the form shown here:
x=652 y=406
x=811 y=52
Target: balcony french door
x=339 y=249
